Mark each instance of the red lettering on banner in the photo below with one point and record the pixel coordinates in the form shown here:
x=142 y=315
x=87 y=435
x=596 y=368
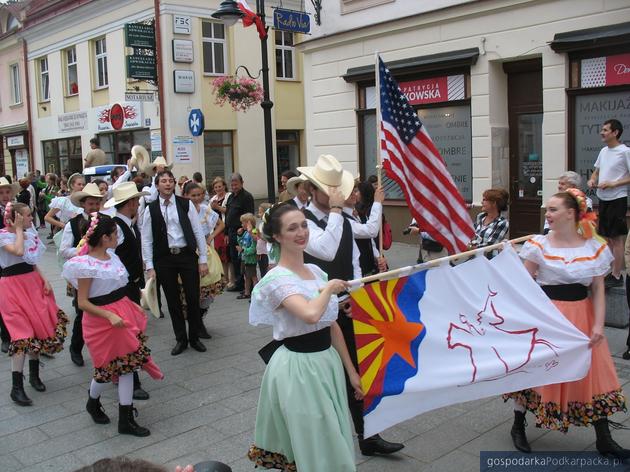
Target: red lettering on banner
x=426 y=91
x=618 y=69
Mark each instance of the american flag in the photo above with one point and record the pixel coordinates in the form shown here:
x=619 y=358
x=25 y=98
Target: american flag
x=411 y=159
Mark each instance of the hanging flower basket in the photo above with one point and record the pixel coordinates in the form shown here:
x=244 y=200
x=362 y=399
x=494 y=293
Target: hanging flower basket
x=240 y=92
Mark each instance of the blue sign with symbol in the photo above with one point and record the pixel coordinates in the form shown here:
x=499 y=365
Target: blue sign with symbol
x=291 y=20
x=195 y=122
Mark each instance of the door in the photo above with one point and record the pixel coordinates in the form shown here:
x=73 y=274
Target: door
x=525 y=115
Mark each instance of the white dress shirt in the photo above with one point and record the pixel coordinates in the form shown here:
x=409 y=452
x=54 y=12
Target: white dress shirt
x=174 y=232
x=368 y=230
x=66 y=249
x=299 y=203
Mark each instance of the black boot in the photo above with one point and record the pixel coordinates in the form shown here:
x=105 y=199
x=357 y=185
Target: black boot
x=377 y=445
x=138 y=392
x=96 y=410
x=605 y=444
x=33 y=375
x=18 y=395
x=127 y=424
x=518 y=432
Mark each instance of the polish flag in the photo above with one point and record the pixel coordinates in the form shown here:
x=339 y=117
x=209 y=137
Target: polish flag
x=250 y=18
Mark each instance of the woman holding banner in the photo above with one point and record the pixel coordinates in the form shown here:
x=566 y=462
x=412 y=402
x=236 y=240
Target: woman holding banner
x=303 y=422
x=565 y=263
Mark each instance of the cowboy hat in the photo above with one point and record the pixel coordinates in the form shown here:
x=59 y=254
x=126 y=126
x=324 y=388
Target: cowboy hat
x=139 y=157
x=327 y=173
x=15 y=187
x=122 y=193
x=159 y=161
x=148 y=297
x=293 y=183
x=90 y=190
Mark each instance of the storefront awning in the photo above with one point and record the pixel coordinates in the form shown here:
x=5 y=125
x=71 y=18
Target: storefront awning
x=591 y=38
x=443 y=60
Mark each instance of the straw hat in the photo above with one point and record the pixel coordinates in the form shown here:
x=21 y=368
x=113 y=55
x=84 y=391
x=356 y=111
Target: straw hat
x=159 y=161
x=122 y=193
x=139 y=157
x=327 y=173
x=90 y=190
x=292 y=184
x=148 y=297
x=15 y=187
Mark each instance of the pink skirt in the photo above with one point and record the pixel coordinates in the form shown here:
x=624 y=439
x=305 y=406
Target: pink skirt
x=34 y=321
x=118 y=351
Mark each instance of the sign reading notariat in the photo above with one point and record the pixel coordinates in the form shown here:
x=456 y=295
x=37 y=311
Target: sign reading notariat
x=291 y=20
x=121 y=115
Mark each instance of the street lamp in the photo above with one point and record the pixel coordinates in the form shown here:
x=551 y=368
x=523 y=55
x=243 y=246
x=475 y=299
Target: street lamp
x=229 y=13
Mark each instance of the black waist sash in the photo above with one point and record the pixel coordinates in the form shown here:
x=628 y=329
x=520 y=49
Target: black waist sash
x=566 y=292
x=18 y=269
x=111 y=297
x=310 y=342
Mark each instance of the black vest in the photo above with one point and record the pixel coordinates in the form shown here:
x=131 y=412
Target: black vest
x=130 y=251
x=341 y=266
x=158 y=226
x=366 y=256
x=79 y=226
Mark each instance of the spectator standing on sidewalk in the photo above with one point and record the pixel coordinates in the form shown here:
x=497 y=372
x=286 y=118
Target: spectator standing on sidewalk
x=239 y=202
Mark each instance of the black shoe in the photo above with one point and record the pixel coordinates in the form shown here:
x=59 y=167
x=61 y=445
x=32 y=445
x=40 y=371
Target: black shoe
x=626 y=354
x=377 y=445
x=203 y=333
x=203 y=312
x=18 y=395
x=234 y=289
x=612 y=281
x=605 y=444
x=50 y=236
x=77 y=358
x=127 y=423
x=519 y=439
x=180 y=346
x=138 y=392
x=161 y=314
x=33 y=375
x=5 y=346
x=96 y=410
x=198 y=346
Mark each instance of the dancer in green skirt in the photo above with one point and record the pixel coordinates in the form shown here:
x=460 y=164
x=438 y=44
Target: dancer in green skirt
x=303 y=422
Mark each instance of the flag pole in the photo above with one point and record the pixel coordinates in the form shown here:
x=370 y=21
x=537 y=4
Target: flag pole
x=379 y=164
x=404 y=271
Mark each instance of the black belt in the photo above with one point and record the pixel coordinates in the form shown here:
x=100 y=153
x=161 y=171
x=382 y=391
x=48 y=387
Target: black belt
x=18 y=269
x=566 y=292
x=311 y=342
x=111 y=297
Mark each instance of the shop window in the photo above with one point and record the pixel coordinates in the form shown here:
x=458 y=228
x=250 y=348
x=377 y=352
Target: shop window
x=117 y=146
x=63 y=155
x=100 y=56
x=16 y=88
x=72 y=82
x=218 y=154
x=44 y=82
x=214 y=48
x=287 y=150
x=285 y=55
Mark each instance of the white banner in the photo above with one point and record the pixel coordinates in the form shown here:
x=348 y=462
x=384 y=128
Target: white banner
x=455 y=334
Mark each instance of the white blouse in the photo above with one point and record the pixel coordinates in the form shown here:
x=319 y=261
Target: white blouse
x=67 y=210
x=106 y=276
x=558 y=266
x=280 y=283
x=33 y=248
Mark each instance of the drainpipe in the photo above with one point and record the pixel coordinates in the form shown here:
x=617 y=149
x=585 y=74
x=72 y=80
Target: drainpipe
x=31 y=157
x=160 y=75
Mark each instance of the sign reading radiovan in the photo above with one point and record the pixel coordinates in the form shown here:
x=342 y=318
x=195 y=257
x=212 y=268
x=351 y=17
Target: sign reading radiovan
x=123 y=115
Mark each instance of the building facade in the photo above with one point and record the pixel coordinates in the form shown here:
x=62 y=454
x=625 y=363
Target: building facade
x=513 y=92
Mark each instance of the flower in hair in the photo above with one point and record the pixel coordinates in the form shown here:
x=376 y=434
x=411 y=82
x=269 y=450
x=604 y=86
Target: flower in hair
x=83 y=247
x=586 y=219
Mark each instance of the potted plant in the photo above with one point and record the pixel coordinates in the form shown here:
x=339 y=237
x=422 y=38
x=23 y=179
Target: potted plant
x=240 y=92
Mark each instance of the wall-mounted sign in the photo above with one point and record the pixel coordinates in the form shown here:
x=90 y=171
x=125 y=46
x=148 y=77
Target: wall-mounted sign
x=182 y=24
x=139 y=96
x=139 y=35
x=435 y=89
x=291 y=20
x=606 y=70
x=182 y=149
x=121 y=115
x=75 y=121
x=183 y=50
x=15 y=141
x=21 y=162
x=195 y=122
x=141 y=67
x=156 y=143
x=184 y=81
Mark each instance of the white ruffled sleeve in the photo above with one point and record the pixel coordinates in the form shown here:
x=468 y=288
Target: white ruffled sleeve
x=6 y=238
x=57 y=203
x=33 y=247
x=532 y=250
x=270 y=292
x=86 y=267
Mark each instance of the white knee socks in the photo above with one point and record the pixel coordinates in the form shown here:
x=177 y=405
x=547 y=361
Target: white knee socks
x=17 y=362
x=97 y=388
x=125 y=389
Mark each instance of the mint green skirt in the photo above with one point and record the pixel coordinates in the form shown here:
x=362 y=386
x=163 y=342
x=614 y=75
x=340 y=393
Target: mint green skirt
x=303 y=421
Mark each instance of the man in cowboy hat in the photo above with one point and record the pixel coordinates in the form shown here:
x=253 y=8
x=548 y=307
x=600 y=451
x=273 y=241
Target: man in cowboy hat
x=7 y=193
x=171 y=235
x=126 y=200
x=331 y=247
x=90 y=200
x=300 y=189
x=95 y=156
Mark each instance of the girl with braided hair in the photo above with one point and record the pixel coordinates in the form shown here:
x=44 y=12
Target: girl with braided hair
x=33 y=319
x=565 y=263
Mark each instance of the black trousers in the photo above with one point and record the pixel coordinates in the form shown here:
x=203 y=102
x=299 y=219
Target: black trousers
x=356 y=406
x=76 y=341
x=263 y=264
x=628 y=299
x=4 y=332
x=168 y=268
x=235 y=259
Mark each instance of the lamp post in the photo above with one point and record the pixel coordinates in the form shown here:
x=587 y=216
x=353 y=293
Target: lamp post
x=229 y=13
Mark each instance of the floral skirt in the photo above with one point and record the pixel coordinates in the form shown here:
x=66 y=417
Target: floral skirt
x=33 y=319
x=118 y=351
x=579 y=403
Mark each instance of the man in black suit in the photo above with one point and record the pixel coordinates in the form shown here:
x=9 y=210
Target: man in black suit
x=239 y=203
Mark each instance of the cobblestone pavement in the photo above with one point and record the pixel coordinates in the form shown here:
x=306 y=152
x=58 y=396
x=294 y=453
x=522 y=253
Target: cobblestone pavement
x=205 y=408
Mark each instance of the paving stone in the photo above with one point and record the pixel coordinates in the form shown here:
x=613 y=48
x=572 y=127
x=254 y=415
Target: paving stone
x=236 y=423
x=457 y=460
x=439 y=441
x=64 y=463
x=22 y=439
x=192 y=419
x=118 y=445
x=8 y=462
